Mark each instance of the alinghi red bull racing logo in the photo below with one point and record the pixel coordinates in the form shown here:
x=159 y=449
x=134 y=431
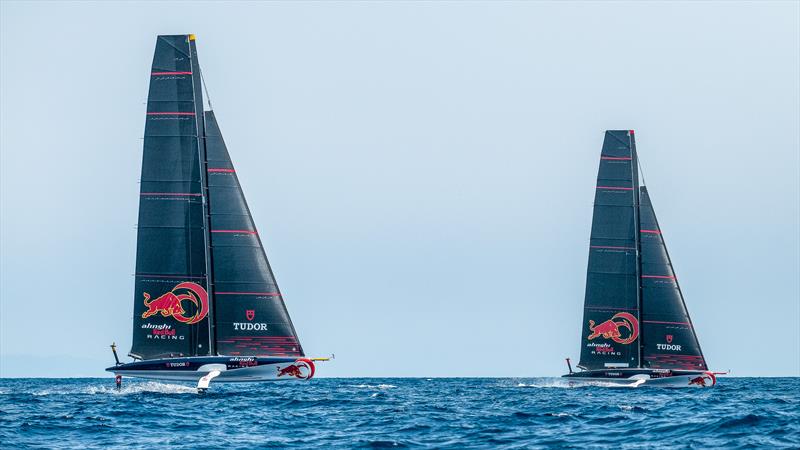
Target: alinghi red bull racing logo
x=302 y=368
x=610 y=329
x=171 y=303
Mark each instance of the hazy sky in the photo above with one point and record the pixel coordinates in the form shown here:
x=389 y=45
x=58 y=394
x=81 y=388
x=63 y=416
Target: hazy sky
x=422 y=174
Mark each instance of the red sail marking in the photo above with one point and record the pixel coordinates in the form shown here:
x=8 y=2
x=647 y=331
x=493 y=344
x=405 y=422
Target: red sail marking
x=650 y=231
x=222 y=170
x=670 y=323
x=616 y=158
x=180 y=194
x=615 y=188
x=610 y=308
x=234 y=231
x=170 y=113
x=612 y=247
x=169 y=276
x=261 y=337
x=171 y=73
x=269 y=294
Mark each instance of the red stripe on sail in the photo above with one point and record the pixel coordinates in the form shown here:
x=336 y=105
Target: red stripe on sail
x=182 y=194
x=615 y=188
x=234 y=231
x=670 y=323
x=616 y=158
x=222 y=170
x=173 y=113
x=605 y=308
x=650 y=231
x=171 y=73
x=271 y=294
x=169 y=276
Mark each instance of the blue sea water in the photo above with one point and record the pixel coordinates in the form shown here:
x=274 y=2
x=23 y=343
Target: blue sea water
x=396 y=412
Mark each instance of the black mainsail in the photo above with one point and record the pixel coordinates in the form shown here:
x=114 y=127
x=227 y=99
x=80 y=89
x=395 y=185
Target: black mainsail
x=204 y=286
x=634 y=312
x=612 y=286
x=171 y=261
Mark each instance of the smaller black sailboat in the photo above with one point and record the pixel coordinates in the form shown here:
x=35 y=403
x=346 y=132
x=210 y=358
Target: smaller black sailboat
x=636 y=328
x=206 y=303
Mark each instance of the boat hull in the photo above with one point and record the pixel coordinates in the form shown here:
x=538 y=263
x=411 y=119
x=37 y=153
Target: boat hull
x=643 y=377
x=232 y=369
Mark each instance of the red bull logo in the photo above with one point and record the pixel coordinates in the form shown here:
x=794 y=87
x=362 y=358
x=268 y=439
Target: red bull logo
x=699 y=381
x=610 y=329
x=704 y=380
x=302 y=369
x=171 y=303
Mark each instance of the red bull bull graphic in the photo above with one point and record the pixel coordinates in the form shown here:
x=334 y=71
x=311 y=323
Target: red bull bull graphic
x=610 y=329
x=302 y=369
x=171 y=303
x=704 y=380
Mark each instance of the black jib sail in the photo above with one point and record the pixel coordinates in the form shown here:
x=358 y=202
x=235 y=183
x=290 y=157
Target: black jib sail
x=669 y=340
x=634 y=314
x=194 y=226
x=250 y=316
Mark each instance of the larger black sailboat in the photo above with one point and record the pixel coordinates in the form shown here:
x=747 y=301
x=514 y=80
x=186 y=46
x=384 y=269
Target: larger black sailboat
x=636 y=328
x=206 y=304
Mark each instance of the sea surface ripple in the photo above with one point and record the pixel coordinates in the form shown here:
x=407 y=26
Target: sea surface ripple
x=397 y=412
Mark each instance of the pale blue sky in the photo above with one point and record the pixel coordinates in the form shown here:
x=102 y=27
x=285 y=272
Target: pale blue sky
x=422 y=174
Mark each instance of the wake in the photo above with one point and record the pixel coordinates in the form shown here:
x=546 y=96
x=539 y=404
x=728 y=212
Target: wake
x=130 y=388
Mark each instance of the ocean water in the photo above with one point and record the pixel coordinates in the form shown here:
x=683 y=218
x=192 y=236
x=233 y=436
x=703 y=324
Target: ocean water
x=396 y=412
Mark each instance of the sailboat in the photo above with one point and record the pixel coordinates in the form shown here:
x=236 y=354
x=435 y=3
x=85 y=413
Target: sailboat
x=636 y=328
x=206 y=303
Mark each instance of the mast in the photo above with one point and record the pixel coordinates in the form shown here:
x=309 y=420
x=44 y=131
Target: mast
x=202 y=156
x=212 y=323
x=638 y=233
